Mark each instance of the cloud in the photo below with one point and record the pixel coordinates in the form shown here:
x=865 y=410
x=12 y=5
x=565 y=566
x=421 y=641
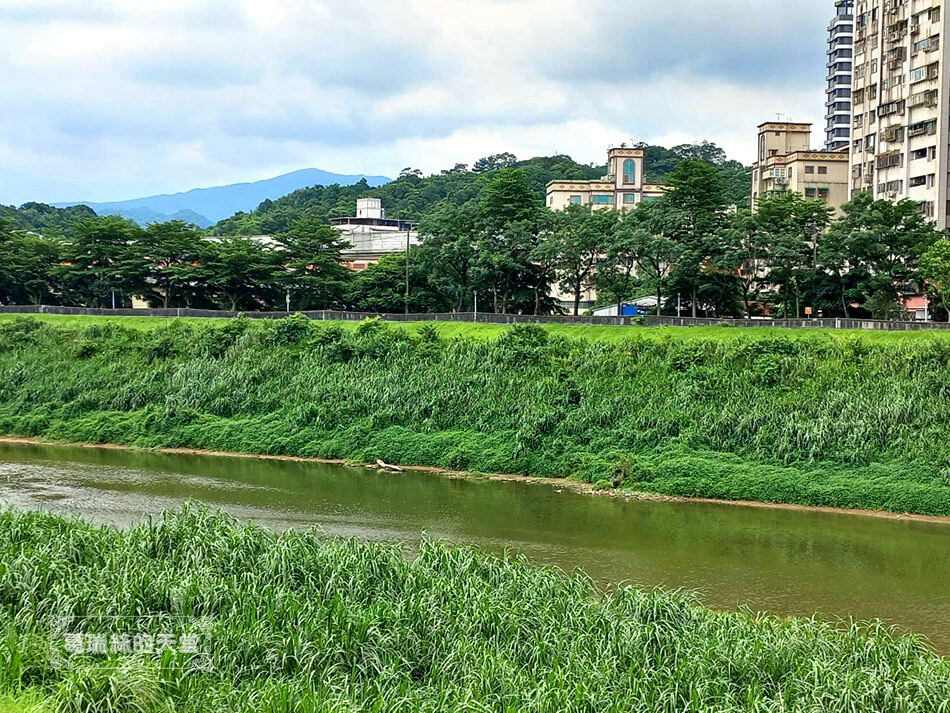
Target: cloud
x=110 y=99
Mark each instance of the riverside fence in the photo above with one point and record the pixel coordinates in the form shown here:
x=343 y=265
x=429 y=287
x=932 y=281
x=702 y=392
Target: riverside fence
x=491 y=318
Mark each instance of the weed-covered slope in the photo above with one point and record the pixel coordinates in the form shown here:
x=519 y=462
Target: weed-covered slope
x=804 y=420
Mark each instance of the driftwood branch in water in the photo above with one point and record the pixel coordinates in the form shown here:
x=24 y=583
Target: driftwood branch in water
x=387 y=466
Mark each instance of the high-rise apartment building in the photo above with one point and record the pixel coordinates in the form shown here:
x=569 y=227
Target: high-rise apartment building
x=900 y=140
x=838 y=104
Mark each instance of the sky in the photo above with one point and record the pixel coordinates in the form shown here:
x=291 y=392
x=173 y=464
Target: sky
x=112 y=99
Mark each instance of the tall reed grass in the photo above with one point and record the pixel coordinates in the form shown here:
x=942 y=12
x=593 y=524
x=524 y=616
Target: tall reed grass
x=816 y=420
x=296 y=622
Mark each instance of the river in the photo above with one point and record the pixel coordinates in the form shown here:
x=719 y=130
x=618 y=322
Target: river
x=782 y=561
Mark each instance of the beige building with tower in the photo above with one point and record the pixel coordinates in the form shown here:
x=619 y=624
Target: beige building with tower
x=622 y=188
x=900 y=139
x=785 y=162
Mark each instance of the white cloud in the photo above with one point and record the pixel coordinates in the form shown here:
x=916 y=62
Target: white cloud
x=110 y=99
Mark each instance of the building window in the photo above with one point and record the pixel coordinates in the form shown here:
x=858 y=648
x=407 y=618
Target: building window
x=575 y=200
x=809 y=169
x=602 y=200
x=629 y=198
x=629 y=171
x=822 y=170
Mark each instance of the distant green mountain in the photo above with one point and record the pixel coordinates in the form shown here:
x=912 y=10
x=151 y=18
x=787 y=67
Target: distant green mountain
x=206 y=206
x=45 y=219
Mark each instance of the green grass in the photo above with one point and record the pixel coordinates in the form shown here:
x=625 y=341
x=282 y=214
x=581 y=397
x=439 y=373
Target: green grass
x=839 y=421
x=296 y=622
x=25 y=702
x=449 y=330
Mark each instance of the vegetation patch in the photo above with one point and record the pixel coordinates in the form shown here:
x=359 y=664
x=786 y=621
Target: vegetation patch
x=296 y=622
x=804 y=418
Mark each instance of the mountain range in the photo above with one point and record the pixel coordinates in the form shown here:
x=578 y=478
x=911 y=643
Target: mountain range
x=206 y=206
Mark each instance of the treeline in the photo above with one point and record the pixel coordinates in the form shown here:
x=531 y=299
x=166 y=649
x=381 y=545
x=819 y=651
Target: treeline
x=690 y=248
x=412 y=195
x=45 y=219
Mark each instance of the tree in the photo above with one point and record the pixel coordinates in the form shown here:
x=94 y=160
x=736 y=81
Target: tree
x=512 y=221
x=789 y=230
x=381 y=288
x=448 y=250
x=882 y=241
x=657 y=254
x=495 y=162
x=694 y=216
x=578 y=238
x=314 y=270
x=244 y=272
x=170 y=254
x=616 y=274
x=26 y=266
x=705 y=151
x=935 y=271
x=509 y=199
x=99 y=265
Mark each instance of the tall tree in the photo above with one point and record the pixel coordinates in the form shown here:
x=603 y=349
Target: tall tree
x=448 y=236
x=578 y=238
x=170 y=254
x=616 y=274
x=314 y=270
x=512 y=221
x=883 y=241
x=27 y=261
x=657 y=253
x=244 y=272
x=935 y=271
x=695 y=207
x=99 y=264
x=791 y=229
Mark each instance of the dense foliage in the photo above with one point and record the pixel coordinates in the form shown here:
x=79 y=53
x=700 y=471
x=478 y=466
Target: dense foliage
x=816 y=420
x=296 y=622
x=45 y=219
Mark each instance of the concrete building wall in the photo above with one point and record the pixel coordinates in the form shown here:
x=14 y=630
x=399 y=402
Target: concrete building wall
x=786 y=163
x=900 y=136
x=620 y=189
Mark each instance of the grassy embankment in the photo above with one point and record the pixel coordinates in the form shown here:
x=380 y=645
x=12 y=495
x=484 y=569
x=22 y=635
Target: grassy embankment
x=295 y=622
x=800 y=417
x=450 y=330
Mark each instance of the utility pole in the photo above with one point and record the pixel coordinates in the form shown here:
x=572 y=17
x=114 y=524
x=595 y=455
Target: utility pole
x=407 y=271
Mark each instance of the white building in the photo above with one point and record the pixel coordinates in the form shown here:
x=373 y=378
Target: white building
x=372 y=235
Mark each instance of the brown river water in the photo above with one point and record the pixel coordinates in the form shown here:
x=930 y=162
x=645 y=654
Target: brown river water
x=786 y=562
